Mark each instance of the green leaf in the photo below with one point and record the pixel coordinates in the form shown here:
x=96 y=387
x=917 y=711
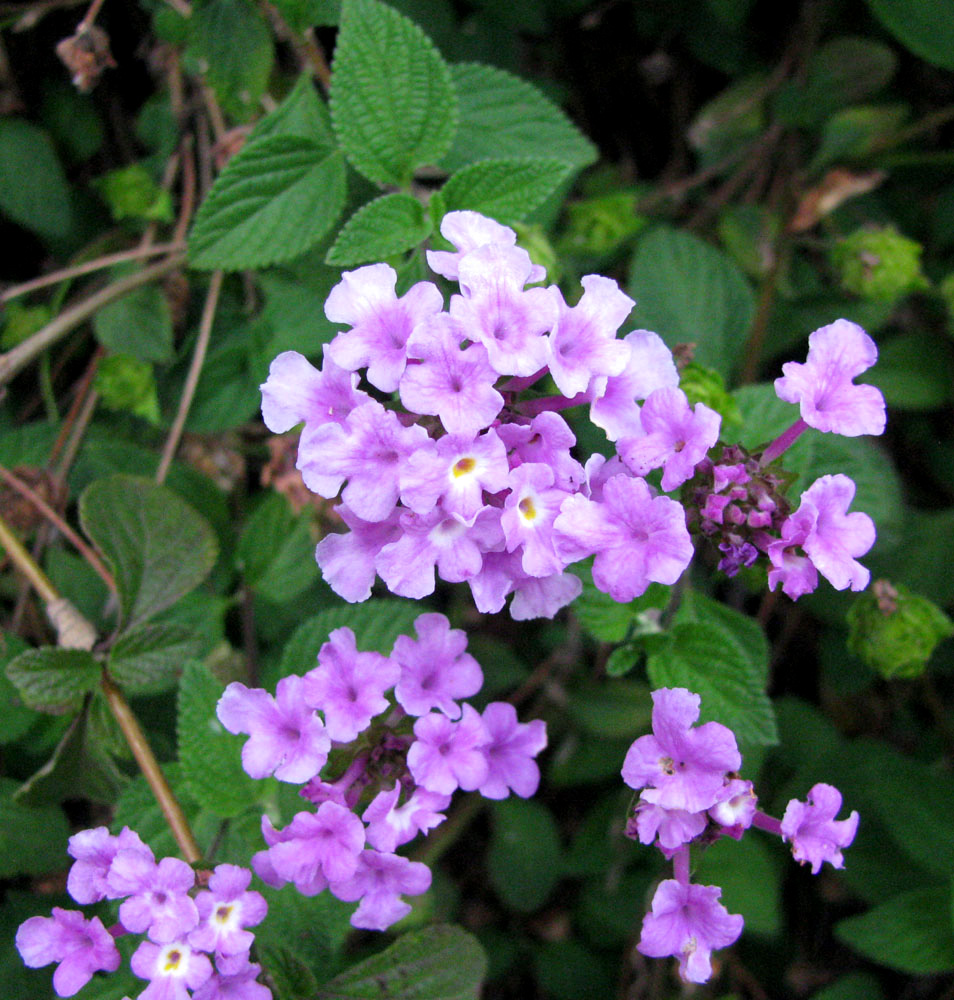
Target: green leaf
x=139 y=323
x=231 y=45
x=126 y=383
x=722 y=656
x=567 y=970
x=690 y=292
x=392 y=100
x=15 y=717
x=525 y=858
x=440 y=962
x=137 y=808
x=276 y=197
x=302 y=113
x=911 y=932
x=276 y=550
x=506 y=190
x=157 y=546
x=210 y=756
x=616 y=708
x=608 y=620
x=52 y=679
x=857 y=131
x=33 y=188
x=502 y=116
x=304 y=14
x=926 y=27
x=32 y=841
x=854 y=986
x=749 y=875
x=148 y=659
x=914 y=372
x=376 y=624
x=132 y=193
x=382 y=228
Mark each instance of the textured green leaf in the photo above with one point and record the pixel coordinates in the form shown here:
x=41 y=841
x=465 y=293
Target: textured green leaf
x=277 y=197
x=302 y=113
x=440 y=962
x=210 y=755
x=506 y=190
x=525 y=857
x=158 y=547
x=33 y=188
x=51 y=678
x=392 y=100
x=231 y=44
x=139 y=323
x=926 y=27
x=911 y=932
x=689 y=292
x=386 y=226
x=276 y=551
x=32 y=840
x=376 y=624
x=15 y=717
x=502 y=116
x=148 y=659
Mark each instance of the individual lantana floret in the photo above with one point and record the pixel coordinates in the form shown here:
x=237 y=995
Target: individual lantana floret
x=812 y=830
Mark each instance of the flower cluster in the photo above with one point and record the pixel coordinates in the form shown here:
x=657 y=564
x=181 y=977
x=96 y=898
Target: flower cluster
x=186 y=927
x=458 y=473
x=691 y=794
x=406 y=757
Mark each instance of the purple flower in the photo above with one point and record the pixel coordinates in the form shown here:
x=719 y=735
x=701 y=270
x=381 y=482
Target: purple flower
x=450 y=383
x=814 y=833
x=326 y=843
x=674 y=827
x=173 y=969
x=448 y=755
x=80 y=946
x=295 y=391
x=467 y=231
x=391 y=825
x=543 y=596
x=436 y=669
x=240 y=985
x=497 y=312
x=158 y=901
x=286 y=738
x=637 y=538
x=676 y=437
x=547 y=439
x=583 y=341
x=830 y=537
x=94 y=851
x=510 y=752
x=735 y=809
x=827 y=398
x=347 y=560
x=688 y=921
x=381 y=323
x=348 y=686
x=527 y=519
x=225 y=910
x=684 y=765
x=379 y=882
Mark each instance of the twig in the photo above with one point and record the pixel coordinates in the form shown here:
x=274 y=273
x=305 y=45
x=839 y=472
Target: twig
x=15 y=483
x=89 y=17
x=192 y=378
x=25 y=563
x=187 y=199
x=21 y=355
x=89 y=266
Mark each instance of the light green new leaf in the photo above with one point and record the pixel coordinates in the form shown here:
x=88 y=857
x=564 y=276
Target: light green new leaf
x=148 y=659
x=911 y=932
x=33 y=188
x=386 y=226
x=392 y=101
x=689 y=292
x=505 y=190
x=440 y=962
x=158 y=547
x=502 y=116
x=277 y=197
x=50 y=678
x=926 y=27
x=210 y=755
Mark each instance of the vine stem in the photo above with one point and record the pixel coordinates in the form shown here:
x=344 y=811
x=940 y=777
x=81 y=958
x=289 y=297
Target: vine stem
x=131 y=730
x=192 y=379
x=21 y=355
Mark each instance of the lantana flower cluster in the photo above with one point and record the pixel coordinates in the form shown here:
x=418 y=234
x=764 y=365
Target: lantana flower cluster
x=195 y=938
x=401 y=759
x=452 y=462
x=690 y=794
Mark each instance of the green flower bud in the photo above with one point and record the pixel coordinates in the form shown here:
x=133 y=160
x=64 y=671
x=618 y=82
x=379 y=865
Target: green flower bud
x=131 y=193
x=601 y=225
x=879 y=264
x=895 y=631
x=705 y=385
x=126 y=383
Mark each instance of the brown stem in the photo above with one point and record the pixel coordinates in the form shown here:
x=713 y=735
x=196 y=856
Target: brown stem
x=21 y=355
x=90 y=16
x=192 y=378
x=25 y=563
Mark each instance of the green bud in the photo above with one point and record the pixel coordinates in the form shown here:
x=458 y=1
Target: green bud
x=879 y=264
x=705 y=385
x=895 y=631
x=131 y=193
x=601 y=225
x=21 y=322
x=126 y=383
